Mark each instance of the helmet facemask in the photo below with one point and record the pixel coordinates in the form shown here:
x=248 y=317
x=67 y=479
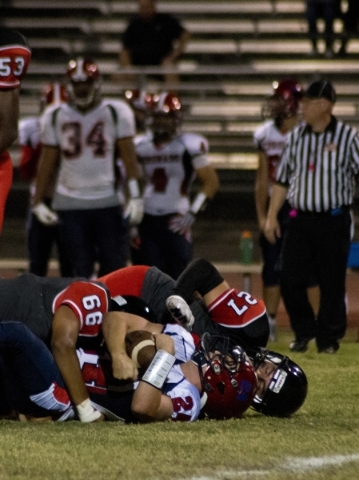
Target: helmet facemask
x=227 y=377
x=84 y=83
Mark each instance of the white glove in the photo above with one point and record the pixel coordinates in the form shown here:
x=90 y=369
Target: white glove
x=181 y=223
x=180 y=311
x=134 y=210
x=45 y=215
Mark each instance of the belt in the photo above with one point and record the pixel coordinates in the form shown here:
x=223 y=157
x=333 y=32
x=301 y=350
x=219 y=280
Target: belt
x=333 y=212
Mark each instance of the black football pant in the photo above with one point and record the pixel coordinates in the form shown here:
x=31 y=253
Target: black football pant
x=318 y=242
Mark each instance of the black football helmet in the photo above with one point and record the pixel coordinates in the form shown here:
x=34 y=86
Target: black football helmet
x=134 y=305
x=287 y=389
x=228 y=378
x=284 y=101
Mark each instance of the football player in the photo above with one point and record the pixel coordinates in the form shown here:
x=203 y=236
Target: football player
x=85 y=135
x=282 y=384
x=238 y=315
x=182 y=383
x=64 y=314
x=40 y=237
x=281 y=111
x=171 y=160
x=14 y=60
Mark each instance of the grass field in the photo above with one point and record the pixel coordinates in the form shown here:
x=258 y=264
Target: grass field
x=320 y=442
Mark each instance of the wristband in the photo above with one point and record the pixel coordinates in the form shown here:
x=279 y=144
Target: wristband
x=159 y=369
x=86 y=412
x=133 y=188
x=198 y=203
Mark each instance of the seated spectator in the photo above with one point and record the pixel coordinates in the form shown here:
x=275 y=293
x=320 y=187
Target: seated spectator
x=350 y=24
x=153 y=38
x=328 y=10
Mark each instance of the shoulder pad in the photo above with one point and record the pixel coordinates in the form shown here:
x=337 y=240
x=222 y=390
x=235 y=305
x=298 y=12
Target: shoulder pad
x=195 y=144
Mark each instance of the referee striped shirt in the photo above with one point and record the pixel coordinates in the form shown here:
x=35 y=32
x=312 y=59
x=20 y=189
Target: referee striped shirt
x=319 y=169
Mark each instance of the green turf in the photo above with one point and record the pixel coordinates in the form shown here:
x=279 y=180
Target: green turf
x=255 y=447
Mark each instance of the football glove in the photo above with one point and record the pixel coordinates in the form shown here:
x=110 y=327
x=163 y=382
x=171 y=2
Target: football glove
x=45 y=215
x=180 y=311
x=181 y=223
x=134 y=210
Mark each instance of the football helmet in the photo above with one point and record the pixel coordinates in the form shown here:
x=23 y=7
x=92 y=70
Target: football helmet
x=52 y=94
x=284 y=101
x=84 y=82
x=228 y=378
x=287 y=389
x=140 y=102
x=134 y=305
x=166 y=112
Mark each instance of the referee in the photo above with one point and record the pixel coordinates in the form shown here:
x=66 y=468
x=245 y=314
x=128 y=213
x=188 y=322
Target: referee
x=317 y=174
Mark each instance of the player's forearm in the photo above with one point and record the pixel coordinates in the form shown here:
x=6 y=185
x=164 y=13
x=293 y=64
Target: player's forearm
x=47 y=165
x=9 y=114
x=67 y=361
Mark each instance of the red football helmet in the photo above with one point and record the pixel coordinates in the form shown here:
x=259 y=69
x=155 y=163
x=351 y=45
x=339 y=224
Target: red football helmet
x=228 y=378
x=53 y=94
x=141 y=102
x=166 y=111
x=139 y=99
x=284 y=102
x=84 y=82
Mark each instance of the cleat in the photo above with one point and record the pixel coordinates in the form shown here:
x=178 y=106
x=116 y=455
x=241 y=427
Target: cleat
x=180 y=311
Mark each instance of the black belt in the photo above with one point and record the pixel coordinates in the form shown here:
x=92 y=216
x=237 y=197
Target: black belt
x=333 y=212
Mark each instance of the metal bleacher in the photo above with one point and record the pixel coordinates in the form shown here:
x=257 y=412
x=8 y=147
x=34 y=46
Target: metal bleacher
x=237 y=49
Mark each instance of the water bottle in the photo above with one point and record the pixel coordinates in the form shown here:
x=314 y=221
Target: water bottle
x=246 y=248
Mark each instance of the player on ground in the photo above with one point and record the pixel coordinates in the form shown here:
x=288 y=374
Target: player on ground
x=229 y=312
x=14 y=60
x=216 y=380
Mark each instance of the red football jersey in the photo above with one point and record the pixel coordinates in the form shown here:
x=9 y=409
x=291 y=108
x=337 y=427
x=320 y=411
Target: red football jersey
x=235 y=309
x=89 y=302
x=125 y=281
x=14 y=59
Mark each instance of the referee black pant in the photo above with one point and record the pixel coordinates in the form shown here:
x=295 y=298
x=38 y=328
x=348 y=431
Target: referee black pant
x=317 y=242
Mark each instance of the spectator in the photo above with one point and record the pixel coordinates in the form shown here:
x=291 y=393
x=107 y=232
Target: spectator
x=14 y=57
x=153 y=38
x=85 y=135
x=350 y=24
x=282 y=109
x=317 y=172
x=170 y=162
x=328 y=10
x=40 y=237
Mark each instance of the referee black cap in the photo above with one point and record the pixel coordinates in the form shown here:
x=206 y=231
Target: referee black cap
x=321 y=89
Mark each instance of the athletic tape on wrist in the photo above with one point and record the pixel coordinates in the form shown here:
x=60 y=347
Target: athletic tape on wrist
x=133 y=188
x=198 y=202
x=159 y=369
x=86 y=412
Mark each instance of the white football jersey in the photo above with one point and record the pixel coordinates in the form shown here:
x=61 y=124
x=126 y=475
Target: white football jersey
x=268 y=139
x=169 y=171
x=185 y=396
x=87 y=143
